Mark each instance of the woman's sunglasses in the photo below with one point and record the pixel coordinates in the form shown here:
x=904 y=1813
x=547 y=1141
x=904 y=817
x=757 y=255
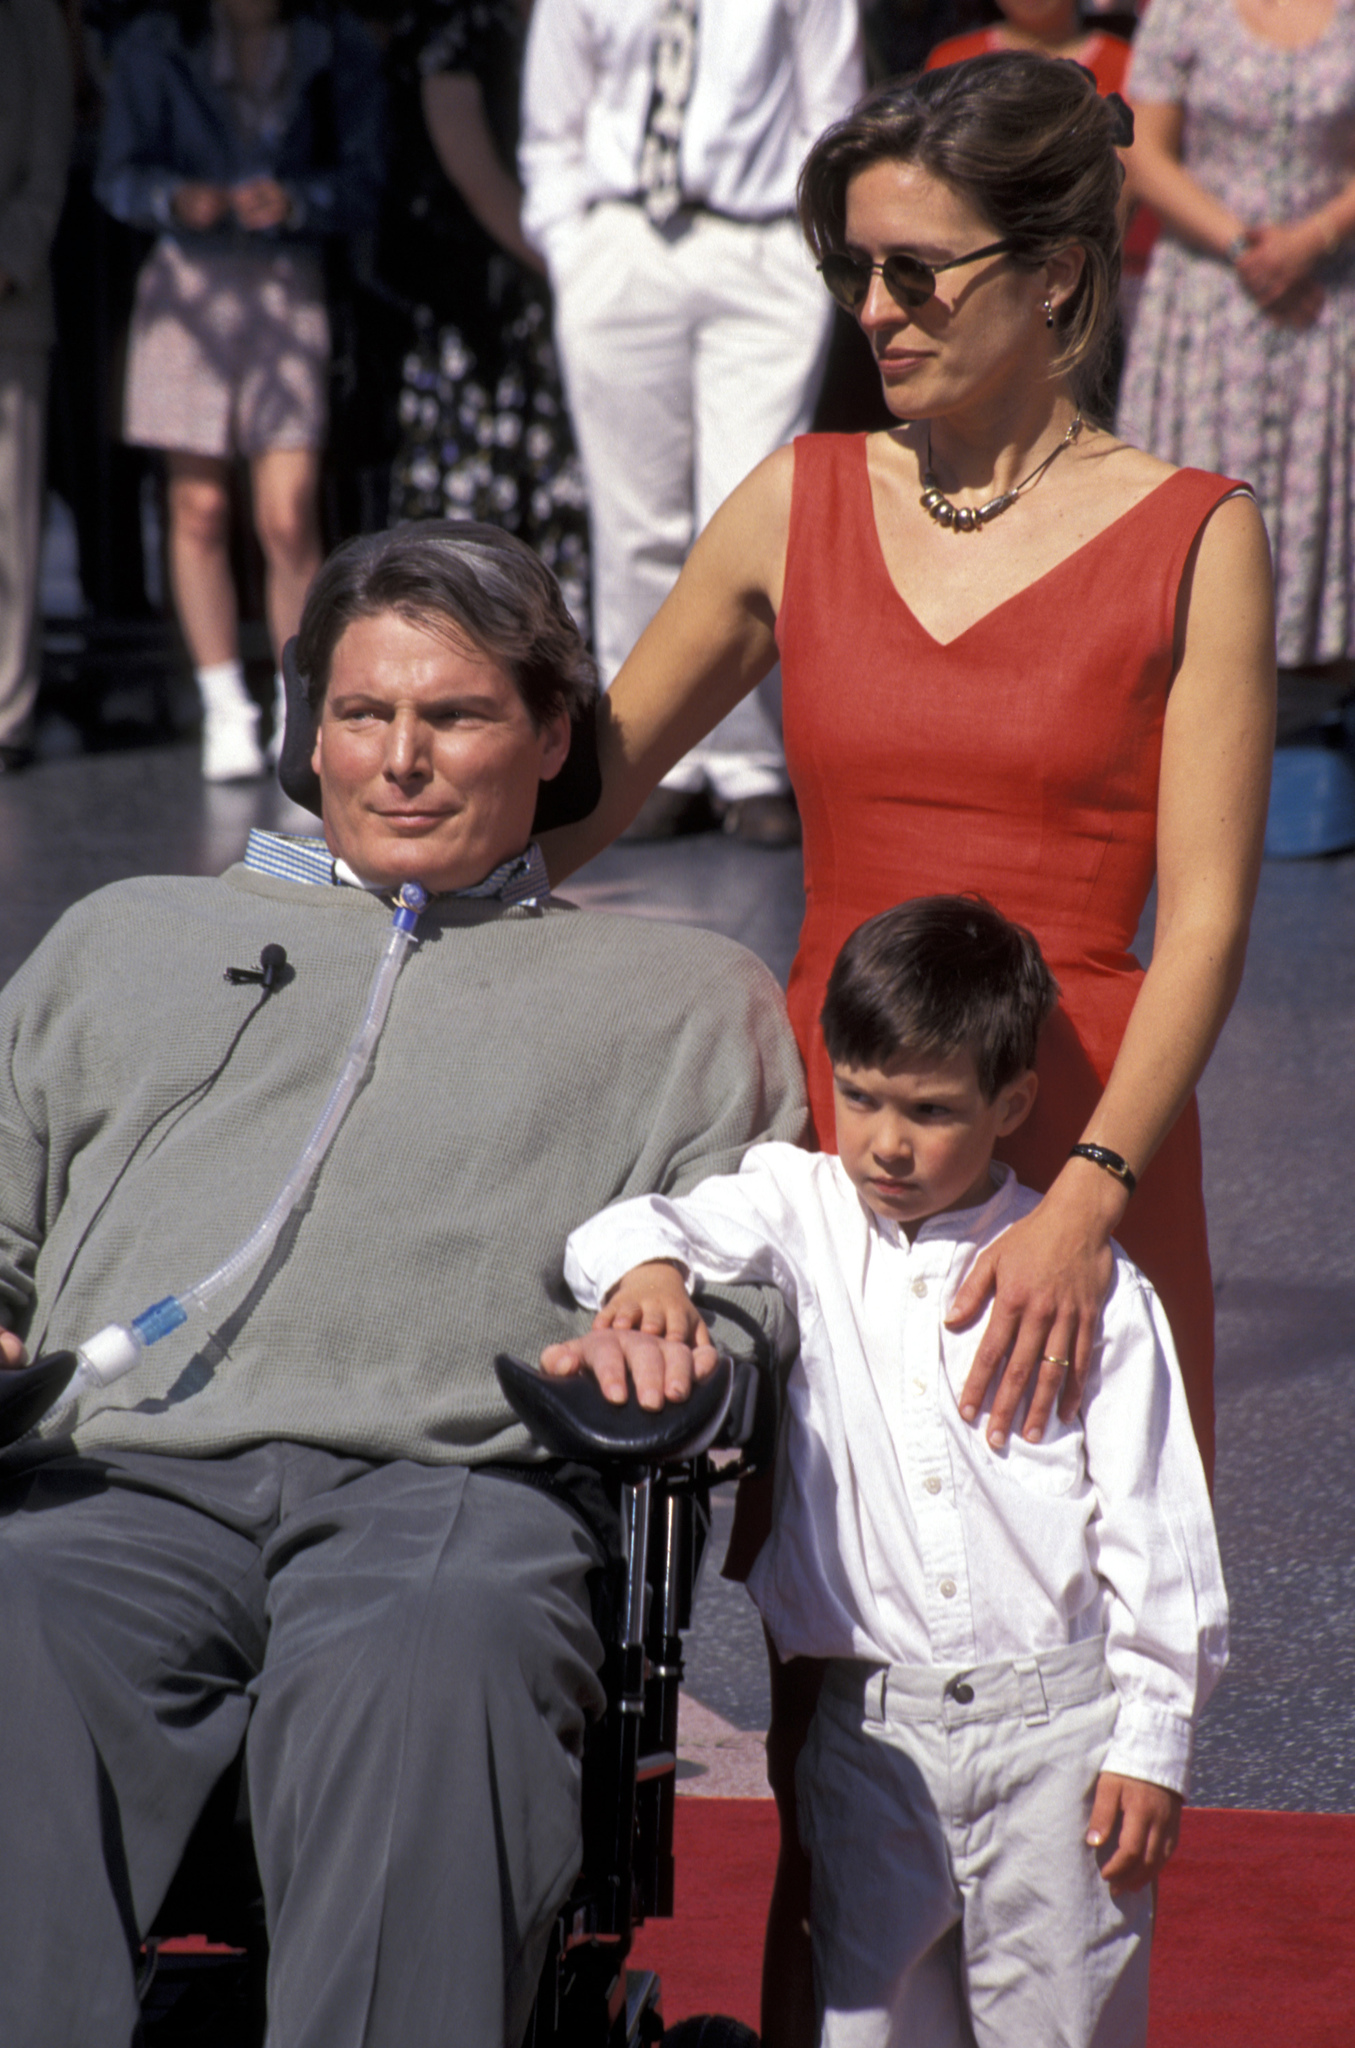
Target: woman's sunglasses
x=909 y=281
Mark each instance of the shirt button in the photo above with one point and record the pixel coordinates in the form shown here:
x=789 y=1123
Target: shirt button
x=947 y=1589
x=920 y=1385
x=932 y=1485
x=920 y=1288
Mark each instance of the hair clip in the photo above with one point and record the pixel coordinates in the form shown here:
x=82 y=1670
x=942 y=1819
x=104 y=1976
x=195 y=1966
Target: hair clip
x=1122 y=132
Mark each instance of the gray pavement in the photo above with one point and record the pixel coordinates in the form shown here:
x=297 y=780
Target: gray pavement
x=1277 y=1104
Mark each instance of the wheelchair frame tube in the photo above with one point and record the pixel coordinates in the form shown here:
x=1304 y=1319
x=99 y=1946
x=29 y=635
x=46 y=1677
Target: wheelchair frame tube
x=635 y=1499
x=636 y=1495
x=658 y=1791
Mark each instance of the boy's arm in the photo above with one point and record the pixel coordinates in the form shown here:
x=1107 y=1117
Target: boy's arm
x=631 y=1261
x=1152 y=1541
x=653 y=1297
x=648 y=1325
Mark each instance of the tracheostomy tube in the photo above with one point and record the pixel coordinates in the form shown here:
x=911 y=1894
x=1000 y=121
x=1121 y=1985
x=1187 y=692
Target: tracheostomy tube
x=119 y=1347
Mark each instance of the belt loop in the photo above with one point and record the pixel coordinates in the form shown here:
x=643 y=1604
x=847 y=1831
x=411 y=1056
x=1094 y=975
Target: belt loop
x=874 y=1701
x=1034 y=1705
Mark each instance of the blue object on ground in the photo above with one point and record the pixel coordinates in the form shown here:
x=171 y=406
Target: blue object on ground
x=1312 y=802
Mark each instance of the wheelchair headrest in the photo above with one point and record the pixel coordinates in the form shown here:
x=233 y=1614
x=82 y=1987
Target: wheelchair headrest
x=566 y=798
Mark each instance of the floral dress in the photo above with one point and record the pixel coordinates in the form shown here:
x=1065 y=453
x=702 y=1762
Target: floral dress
x=484 y=430
x=1211 y=381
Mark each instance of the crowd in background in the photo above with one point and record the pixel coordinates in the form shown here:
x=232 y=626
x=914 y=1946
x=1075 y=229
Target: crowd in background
x=293 y=297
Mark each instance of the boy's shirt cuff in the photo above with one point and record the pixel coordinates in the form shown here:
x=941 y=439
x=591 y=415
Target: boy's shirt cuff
x=1152 y=1743
x=604 y=1250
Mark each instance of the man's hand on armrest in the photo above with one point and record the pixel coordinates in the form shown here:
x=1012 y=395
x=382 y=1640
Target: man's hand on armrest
x=13 y=1355
x=649 y=1330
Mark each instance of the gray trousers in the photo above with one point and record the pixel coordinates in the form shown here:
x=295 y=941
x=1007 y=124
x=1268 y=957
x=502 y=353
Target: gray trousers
x=23 y=396
x=408 y=1655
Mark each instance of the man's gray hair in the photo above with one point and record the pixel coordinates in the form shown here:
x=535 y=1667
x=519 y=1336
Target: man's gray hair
x=482 y=582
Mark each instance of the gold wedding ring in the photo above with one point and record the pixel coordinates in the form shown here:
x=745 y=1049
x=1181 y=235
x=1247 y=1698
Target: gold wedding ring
x=1049 y=1359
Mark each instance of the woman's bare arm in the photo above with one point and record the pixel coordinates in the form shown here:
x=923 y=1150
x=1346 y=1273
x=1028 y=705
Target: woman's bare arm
x=712 y=641
x=1284 y=253
x=1277 y=268
x=454 y=111
x=1155 y=171
x=1048 y=1275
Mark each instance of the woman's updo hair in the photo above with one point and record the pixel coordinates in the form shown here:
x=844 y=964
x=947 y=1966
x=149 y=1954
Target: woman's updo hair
x=1028 y=141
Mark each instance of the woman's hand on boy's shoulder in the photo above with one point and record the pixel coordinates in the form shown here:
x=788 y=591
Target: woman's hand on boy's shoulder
x=1138 y=1825
x=1047 y=1278
x=648 y=1332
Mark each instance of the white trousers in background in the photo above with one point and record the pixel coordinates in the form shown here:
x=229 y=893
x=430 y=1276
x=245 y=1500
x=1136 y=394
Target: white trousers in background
x=954 y=1900
x=689 y=354
x=23 y=396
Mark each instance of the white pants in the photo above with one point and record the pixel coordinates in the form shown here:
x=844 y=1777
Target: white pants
x=23 y=394
x=954 y=1899
x=688 y=356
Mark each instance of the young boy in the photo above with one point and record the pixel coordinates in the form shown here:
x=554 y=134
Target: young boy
x=1019 y=1637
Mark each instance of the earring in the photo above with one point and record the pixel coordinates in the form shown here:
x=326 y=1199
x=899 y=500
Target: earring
x=1048 y=314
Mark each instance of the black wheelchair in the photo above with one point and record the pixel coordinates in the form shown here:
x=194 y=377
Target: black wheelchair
x=661 y=1470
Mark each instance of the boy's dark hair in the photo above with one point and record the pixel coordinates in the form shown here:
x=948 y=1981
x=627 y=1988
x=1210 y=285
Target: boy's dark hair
x=936 y=976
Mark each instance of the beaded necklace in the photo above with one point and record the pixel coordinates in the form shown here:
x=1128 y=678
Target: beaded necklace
x=973 y=518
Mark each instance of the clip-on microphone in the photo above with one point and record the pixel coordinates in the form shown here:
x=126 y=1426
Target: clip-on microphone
x=272 y=960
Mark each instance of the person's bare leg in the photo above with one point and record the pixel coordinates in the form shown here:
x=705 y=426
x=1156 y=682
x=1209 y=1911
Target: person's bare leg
x=199 y=557
x=287 y=519
x=204 y=594
x=787 y=1966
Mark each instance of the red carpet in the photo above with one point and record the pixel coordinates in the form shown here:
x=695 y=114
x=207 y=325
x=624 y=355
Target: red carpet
x=1255 y=1945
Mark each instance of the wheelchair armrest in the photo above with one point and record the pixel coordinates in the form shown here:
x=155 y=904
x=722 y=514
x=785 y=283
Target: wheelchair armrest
x=573 y=1419
x=28 y=1392
x=753 y=1423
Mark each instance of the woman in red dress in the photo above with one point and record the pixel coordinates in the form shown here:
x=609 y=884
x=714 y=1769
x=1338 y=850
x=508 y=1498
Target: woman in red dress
x=1019 y=657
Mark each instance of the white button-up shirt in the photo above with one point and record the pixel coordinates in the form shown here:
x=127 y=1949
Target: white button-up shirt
x=900 y=1536
x=770 y=76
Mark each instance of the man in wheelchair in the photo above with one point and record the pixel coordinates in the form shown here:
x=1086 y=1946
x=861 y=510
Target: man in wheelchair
x=306 y=1521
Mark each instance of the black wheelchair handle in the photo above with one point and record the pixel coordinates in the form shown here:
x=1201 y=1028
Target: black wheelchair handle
x=572 y=1418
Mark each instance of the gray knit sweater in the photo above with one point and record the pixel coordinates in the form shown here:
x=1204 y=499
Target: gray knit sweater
x=536 y=1065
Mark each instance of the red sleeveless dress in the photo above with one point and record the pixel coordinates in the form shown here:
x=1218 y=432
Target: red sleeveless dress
x=1020 y=761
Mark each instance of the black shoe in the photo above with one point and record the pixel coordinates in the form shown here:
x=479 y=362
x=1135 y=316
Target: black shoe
x=771 y=821
x=673 y=814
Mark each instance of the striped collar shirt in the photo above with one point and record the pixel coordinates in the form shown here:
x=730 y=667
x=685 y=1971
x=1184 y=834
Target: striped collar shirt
x=303 y=857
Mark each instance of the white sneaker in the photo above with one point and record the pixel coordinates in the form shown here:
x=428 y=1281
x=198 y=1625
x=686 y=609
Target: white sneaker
x=230 y=745
x=230 y=725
